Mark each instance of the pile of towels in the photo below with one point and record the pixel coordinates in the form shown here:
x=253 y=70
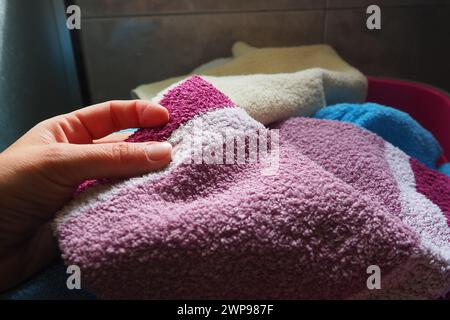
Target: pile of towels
x=337 y=186
x=275 y=83
x=307 y=219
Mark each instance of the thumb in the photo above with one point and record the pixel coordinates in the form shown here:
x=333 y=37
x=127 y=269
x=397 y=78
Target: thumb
x=112 y=160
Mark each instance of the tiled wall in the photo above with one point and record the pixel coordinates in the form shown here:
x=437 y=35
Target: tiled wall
x=127 y=43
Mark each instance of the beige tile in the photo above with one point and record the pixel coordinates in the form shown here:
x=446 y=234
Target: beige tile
x=122 y=53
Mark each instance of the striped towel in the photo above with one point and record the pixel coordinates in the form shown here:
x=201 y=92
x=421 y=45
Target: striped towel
x=299 y=211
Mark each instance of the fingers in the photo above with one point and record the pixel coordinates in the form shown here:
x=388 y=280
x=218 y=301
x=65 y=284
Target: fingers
x=112 y=160
x=114 y=137
x=95 y=122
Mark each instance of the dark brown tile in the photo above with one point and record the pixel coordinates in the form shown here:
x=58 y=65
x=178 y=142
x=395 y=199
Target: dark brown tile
x=122 y=53
x=332 y=4
x=412 y=43
x=105 y=8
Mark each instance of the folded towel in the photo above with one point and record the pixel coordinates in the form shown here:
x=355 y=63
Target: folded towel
x=240 y=47
x=212 y=64
x=273 y=97
x=305 y=220
x=332 y=78
x=394 y=126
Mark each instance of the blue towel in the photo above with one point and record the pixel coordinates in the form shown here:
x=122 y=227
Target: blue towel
x=445 y=169
x=127 y=130
x=395 y=126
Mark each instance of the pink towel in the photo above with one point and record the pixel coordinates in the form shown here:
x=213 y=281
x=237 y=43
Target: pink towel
x=303 y=220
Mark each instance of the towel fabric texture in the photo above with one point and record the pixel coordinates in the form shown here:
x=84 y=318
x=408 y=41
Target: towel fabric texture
x=318 y=74
x=340 y=200
x=394 y=126
x=281 y=80
x=445 y=169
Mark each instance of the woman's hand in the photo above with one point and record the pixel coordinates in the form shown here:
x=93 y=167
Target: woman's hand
x=40 y=172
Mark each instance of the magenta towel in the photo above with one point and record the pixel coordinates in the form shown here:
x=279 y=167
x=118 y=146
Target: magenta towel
x=338 y=200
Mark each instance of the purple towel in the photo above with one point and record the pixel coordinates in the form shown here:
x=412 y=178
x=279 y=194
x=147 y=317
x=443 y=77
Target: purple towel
x=319 y=203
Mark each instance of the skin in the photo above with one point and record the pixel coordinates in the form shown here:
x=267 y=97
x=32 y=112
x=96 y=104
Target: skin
x=40 y=172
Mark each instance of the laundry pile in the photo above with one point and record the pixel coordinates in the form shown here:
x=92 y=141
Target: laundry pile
x=284 y=184
x=306 y=218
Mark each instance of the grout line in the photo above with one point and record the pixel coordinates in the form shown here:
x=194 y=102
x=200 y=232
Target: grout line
x=325 y=22
x=186 y=13
x=393 y=6
x=181 y=13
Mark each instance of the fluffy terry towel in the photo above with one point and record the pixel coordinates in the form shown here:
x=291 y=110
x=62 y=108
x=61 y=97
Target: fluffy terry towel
x=393 y=125
x=304 y=221
x=282 y=80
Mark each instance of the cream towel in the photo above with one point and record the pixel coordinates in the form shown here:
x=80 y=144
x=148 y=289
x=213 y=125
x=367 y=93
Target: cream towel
x=294 y=80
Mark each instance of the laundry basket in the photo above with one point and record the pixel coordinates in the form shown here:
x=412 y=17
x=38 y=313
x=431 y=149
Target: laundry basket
x=427 y=105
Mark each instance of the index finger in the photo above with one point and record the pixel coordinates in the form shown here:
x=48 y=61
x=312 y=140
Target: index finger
x=97 y=121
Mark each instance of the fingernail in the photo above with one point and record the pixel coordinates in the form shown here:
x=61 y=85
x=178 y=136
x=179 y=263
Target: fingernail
x=158 y=151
